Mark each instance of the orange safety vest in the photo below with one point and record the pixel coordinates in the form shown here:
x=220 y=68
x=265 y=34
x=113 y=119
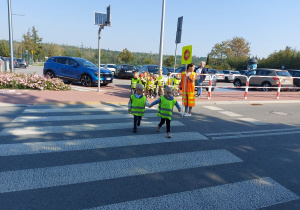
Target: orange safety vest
x=188 y=93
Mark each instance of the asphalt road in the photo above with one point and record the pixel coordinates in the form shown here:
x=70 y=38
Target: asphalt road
x=82 y=157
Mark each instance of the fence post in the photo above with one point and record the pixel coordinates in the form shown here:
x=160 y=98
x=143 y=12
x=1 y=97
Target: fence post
x=209 y=87
x=279 y=87
x=246 y=89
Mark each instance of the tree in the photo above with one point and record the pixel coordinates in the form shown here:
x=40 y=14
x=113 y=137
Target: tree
x=169 y=61
x=126 y=56
x=239 y=47
x=4 y=49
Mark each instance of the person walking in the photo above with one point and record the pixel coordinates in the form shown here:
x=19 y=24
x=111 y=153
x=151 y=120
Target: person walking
x=165 y=109
x=136 y=106
x=200 y=78
x=188 y=89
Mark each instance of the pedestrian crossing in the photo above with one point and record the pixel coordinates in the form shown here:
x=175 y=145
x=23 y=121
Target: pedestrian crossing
x=101 y=170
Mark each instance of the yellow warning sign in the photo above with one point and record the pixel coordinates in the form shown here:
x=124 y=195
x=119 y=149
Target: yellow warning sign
x=186 y=57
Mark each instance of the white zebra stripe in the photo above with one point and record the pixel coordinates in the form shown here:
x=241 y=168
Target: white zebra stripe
x=252 y=194
x=77 y=128
x=230 y=114
x=77 y=117
x=81 y=173
x=214 y=108
x=252 y=121
x=95 y=143
x=91 y=109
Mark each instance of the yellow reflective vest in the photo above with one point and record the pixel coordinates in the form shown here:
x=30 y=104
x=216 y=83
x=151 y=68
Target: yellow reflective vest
x=160 y=80
x=134 y=81
x=165 y=108
x=137 y=105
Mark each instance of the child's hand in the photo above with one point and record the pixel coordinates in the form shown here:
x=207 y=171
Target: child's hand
x=149 y=106
x=128 y=110
x=179 y=110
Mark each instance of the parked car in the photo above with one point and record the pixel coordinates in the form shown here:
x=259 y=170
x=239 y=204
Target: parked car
x=77 y=70
x=229 y=75
x=170 y=69
x=125 y=71
x=22 y=63
x=295 y=73
x=217 y=73
x=243 y=72
x=111 y=67
x=265 y=82
x=180 y=69
x=16 y=65
x=154 y=69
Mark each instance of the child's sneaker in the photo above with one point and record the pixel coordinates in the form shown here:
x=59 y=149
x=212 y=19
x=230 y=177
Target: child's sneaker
x=158 y=128
x=168 y=135
x=187 y=114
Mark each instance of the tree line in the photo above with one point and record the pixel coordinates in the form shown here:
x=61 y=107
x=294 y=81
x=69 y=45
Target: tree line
x=229 y=54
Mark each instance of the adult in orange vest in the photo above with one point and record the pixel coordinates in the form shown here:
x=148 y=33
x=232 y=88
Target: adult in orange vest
x=188 y=89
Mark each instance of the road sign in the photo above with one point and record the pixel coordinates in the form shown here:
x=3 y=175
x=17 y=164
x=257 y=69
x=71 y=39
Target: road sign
x=179 y=30
x=186 y=57
x=100 y=18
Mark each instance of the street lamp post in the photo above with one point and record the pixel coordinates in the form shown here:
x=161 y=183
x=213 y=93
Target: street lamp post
x=162 y=36
x=11 y=46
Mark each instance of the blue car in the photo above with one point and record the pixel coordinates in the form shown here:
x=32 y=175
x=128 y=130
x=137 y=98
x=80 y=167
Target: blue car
x=76 y=70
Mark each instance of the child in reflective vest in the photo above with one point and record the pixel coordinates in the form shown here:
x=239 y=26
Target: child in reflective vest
x=134 y=81
x=176 y=85
x=136 y=106
x=150 y=85
x=165 y=109
x=160 y=82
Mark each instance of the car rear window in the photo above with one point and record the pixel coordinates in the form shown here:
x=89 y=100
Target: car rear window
x=283 y=73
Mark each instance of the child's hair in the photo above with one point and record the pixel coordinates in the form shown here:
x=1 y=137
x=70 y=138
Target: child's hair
x=135 y=73
x=141 y=75
x=155 y=75
x=168 y=89
x=139 y=86
x=169 y=74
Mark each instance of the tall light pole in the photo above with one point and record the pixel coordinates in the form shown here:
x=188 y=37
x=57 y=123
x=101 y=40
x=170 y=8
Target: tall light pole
x=11 y=46
x=161 y=46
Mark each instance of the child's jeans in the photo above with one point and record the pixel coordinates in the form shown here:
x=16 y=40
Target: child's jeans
x=136 y=119
x=132 y=91
x=168 y=123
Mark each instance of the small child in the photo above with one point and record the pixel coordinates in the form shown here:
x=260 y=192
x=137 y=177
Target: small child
x=134 y=81
x=142 y=80
x=176 y=80
x=170 y=79
x=136 y=106
x=150 y=85
x=160 y=82
x=155 y=88
x=165 y=109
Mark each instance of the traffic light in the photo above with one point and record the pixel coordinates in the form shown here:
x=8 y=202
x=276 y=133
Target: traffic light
x=108 y=16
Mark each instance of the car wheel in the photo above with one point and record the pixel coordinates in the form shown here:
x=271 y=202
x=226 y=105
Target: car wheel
x=212 y=89
x=104 y=84
x=265 y=86
x=50 y=74
x=226 y=79
x=23 y=66
x=86 y=80
x=237 y=83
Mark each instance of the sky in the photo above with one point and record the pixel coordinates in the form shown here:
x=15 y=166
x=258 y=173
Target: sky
x=268 y=25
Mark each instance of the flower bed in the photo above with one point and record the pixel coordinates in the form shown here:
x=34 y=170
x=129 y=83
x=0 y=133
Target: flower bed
x=30 y=81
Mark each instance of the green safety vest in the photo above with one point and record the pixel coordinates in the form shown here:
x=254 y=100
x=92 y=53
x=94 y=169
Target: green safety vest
x=160 y=80
x=165 y=108
x=134 y=82
x=137 y=105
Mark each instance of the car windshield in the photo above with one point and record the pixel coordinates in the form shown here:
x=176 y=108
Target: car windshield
x=85 y=63
x=283 y=73
x=112 y=66
x=236 y=72
x=220 y=72
x=128 y=67
x=154 y=70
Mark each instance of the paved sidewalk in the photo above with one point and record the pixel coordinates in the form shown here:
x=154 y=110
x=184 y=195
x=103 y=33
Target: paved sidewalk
x=119 y=94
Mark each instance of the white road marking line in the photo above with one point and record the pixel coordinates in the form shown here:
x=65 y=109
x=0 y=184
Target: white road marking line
x=88 y=172
x=213 y=108
x=77 y=128
x=230 y=114
x=256 y=135
x=252 y=121
x=252 y=194
x=91 y=109
x=95 y=143
x=256 y=131
x=77 y=117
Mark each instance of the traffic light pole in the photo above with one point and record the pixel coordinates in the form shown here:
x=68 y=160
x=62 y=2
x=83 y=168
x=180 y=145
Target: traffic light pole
x=99 y=54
